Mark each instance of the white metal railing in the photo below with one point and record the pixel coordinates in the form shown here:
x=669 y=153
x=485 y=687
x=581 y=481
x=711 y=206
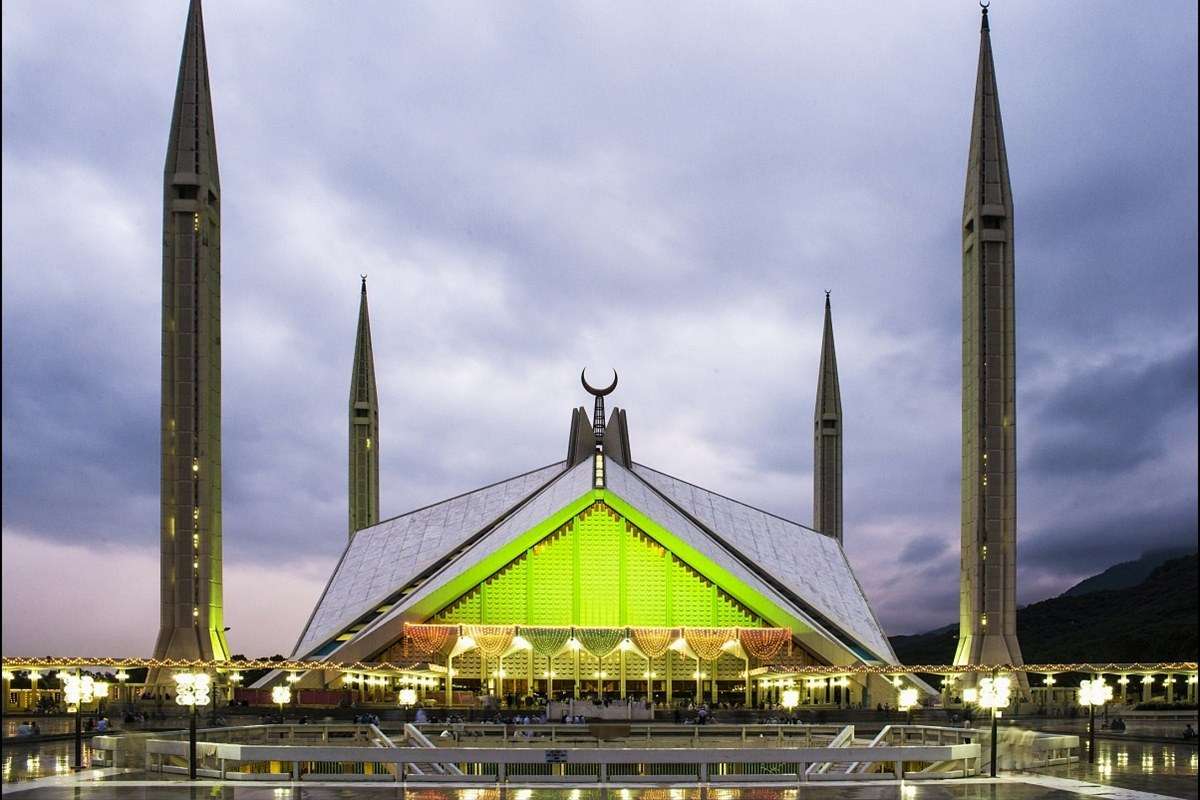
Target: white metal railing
x=844 y=739
x=492 y=764
x=418 y=739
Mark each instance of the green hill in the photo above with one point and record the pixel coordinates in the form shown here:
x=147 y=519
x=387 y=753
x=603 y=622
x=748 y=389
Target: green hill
x=1156 y=620
x=1128 y=573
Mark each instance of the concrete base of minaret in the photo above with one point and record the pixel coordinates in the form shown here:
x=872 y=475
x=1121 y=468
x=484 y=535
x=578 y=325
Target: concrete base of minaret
x=186 y=643
x=991 y=648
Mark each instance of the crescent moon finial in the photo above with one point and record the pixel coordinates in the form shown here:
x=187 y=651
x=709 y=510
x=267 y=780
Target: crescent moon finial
x=593 y=390
x=984 y=4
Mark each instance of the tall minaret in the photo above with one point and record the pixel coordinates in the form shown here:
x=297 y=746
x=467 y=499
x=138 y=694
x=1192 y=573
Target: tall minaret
x=192 y=624
x=364 y=427
x=827 y=439
x=987 y=593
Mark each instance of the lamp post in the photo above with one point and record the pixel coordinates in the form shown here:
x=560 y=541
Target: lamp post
x=192 y=690
x=1091 y=694
x=407 y=698
x=906 y=700
x=34 y=676
x=281 y=695
x=121 y=677
x=77 y=690
x=994 y=694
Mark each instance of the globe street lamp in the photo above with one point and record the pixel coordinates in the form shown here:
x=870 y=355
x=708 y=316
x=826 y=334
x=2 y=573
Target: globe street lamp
x=994 y=693
x=192 y=689
x=77 y=690
x=281 y=695
x=1091 y=694
x=121 y=677
x=407 y=698
x=906 y=701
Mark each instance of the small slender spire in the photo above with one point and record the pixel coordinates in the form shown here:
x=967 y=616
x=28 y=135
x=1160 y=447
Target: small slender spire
x=983 y=7
x=827 y=438
x=364 y=426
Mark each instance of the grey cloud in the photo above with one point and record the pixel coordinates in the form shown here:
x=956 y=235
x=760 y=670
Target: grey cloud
x=1091 y=543
x=1109 y=419
x=921 y=550
x=669 y=193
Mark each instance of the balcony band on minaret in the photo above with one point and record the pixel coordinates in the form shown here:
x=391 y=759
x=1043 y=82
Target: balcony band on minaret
x=987 y=594
x=827 y=439
x=191 y=623
x=363 y=489
x=598 y=426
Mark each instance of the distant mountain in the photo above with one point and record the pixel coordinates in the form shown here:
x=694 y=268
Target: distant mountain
x=1156 y=620
x=1127 y=573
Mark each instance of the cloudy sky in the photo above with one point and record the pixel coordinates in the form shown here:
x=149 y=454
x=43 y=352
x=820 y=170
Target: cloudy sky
x=537 y=187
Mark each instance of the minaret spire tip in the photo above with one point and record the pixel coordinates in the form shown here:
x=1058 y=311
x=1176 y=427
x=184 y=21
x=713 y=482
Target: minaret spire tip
x=364 y=282
x=983 y=6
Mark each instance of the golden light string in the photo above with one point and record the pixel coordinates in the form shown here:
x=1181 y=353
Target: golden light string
x=654 y=642
x=428 y=639
x=301 y=665
x=708 y=643
x=763 y=643
x=492 y=640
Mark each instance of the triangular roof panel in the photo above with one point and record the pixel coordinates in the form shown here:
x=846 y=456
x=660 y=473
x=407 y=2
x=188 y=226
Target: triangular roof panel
x=811 y=564
x=382 y=559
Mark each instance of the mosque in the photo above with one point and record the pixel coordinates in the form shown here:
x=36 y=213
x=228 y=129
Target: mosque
x=594 y=574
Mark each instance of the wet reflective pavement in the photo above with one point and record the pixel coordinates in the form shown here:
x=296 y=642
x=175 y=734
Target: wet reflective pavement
x=1168 y=769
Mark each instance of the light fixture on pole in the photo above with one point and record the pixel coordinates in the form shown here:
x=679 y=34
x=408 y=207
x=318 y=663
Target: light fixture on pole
x=77 y=690
x=192 y=690
x=121 y=677
x=281 y=695
x=994 y=693
x=907 y=699
x=1091 y=694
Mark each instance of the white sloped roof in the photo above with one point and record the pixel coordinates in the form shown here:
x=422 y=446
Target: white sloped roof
x=809 y=563
x=569 y=486
x=794 y=566
x=383 y=558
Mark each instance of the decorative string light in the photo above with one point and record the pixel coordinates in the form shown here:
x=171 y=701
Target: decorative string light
x=26 y=663
x=547 y=641
x=654 y=642
x=763 y=643
x=600 y=641
x=708 y=643
x=492 y=640
x=428 y=639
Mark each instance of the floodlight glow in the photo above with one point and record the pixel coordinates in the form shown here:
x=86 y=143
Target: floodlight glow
x=995 y=692
x=407 y=697
x=970 y=695
x=78 y=689
x=908 y=699
x=281 y=694
x=191 y=688
x=1094 y=693
x=790 y=698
